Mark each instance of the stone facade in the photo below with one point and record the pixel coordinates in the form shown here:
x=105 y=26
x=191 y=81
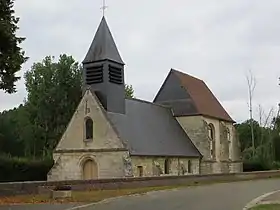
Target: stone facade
x=104 y=135
x=225 y=157
x=112 y=159
x=69 y=166
x=104 y=148
x=157 y=166
x=196 y=130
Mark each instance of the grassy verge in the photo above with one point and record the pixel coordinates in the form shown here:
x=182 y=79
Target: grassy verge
x=79 y=197
x=267 y=207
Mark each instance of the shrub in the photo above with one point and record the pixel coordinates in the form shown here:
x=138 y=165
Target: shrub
x=13 y=169
x=249 y=166
x=275 y=165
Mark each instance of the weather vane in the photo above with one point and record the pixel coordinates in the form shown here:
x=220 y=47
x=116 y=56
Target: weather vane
x=104 y=7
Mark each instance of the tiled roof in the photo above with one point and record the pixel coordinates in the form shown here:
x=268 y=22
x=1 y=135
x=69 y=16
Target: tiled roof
x=188 y=95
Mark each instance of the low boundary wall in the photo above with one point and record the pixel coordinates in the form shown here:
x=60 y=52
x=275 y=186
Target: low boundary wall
x=21 y=188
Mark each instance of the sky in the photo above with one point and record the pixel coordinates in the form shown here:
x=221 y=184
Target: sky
x=217 y=41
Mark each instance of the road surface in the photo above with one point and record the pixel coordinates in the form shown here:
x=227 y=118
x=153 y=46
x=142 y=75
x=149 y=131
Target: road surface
x=225 y=196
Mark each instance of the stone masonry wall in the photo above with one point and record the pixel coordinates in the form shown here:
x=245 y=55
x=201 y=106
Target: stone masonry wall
x=74 y=147
x=69 y=166
x=43 y=187
x=235 y=167
x=104 y=136
x=154 y=166
x=226 y=150
x=195 y=129
x=224 y=143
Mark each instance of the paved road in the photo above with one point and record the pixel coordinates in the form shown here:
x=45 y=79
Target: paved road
x=226 y=196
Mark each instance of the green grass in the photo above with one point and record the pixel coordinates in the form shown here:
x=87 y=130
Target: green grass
x=267 y=207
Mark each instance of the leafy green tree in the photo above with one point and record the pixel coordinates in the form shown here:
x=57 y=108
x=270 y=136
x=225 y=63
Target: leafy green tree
x=11 y=55
x=244 y=132
x=54 y=91
x=9 y=135
x=129 y=91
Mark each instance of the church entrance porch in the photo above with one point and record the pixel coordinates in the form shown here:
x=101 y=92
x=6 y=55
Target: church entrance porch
x=90 y=170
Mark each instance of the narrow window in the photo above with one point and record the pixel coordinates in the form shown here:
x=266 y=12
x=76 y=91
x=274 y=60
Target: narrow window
x=211 y=132
x=211 y=135
x=189 y=166
x=140 y=171
x=228 y=134
x=167 y=166
x=229 y=142
x=89 y=129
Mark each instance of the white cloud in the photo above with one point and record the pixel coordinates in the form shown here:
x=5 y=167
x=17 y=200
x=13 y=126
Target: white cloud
x=217 y=41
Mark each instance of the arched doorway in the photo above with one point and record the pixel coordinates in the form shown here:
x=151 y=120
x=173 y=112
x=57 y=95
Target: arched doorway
x=90 y=169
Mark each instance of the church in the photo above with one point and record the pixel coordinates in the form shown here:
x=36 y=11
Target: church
x=184 y=131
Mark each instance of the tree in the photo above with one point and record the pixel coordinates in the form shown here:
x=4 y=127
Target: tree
x=54 y=92
x=129 y=92
x=11 y=55
x=251 y=82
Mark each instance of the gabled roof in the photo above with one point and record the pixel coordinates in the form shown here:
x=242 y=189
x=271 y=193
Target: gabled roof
x=188 y=96
x=103 y=46
x=151 y=130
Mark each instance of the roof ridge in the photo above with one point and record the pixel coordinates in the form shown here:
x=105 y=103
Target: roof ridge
x=148 y=102
x=185 y=74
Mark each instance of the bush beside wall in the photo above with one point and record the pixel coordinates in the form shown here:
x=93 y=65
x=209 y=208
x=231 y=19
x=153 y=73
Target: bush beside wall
x=250 y=166
x=19 y=169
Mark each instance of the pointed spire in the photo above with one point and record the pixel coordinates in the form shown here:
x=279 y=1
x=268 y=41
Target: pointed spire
x=103 y=46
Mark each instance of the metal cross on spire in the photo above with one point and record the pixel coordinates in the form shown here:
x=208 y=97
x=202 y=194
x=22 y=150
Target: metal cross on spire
x=104 y=7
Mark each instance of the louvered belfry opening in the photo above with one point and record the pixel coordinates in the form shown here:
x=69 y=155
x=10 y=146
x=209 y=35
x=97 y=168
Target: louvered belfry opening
x=115 y=75
x=94 y=75
x=104 y=70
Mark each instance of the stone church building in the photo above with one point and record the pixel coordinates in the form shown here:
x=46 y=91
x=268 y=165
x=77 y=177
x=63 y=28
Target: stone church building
x=185 y=130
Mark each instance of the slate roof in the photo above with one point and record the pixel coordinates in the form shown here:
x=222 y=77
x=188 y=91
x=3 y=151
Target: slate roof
x=151 y=130
x=103 y=46
x=188 y=96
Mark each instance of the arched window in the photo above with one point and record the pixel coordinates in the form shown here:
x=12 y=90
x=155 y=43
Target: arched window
x=89 y=128
x=211 y=135
x=211 y=132
x=229 y=143
x=167 y=166
x=228 y=134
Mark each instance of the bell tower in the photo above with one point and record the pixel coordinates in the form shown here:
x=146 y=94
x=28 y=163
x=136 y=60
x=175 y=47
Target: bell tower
x=103 y=70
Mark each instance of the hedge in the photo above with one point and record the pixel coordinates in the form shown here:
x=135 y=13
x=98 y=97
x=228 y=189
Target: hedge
x=249 y=166
x=19 y=169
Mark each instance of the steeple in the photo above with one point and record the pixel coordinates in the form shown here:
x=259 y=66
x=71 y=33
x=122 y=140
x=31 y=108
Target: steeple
x=103 y=46
x=104 y=70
